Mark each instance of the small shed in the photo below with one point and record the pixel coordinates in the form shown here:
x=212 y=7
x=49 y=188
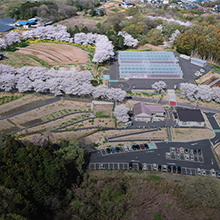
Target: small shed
x=198 y=62
x=171 y=97
x=190 y=118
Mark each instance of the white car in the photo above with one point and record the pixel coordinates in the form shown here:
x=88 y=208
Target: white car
x=144 y=166
x=130 y=147
x=202 y=70
x=168 y=154
x=164 y=168
x=126 y=148
x=182 y=150
x=199 y=171
x=213 y=173
x=154 y=167
x=203 y=173
x=186 y=156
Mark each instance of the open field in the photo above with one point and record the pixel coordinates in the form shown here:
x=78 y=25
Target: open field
x=55 y=54
x=192 y=134
x=18 y=60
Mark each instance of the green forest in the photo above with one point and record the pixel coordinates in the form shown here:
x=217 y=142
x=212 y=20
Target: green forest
x=51 y=182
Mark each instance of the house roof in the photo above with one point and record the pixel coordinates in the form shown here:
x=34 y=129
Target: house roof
x=4 y=28
x=22 y=22
x=193 y=115
x=141 y=107
x=7 y=20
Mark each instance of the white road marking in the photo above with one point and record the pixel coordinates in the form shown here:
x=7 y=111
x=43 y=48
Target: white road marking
x=217 y=140
x=194 y=144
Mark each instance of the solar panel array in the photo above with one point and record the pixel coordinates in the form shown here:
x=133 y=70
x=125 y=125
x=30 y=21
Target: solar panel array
x=148 y=64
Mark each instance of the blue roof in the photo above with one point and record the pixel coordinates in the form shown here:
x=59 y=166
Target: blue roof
x=22 y=22
x=7 y=20
x=4 y=28
x=31 y=21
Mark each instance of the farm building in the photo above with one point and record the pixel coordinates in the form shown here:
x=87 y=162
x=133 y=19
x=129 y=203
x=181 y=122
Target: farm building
x=148 y=64
x=171 y=97
x=144 y=112
x=190 y=118
x=198 y=62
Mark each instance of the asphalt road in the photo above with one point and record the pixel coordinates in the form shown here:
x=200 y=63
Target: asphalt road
x=159 y=155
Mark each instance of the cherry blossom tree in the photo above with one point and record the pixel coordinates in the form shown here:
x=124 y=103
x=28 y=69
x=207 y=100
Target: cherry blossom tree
x=121 y=113
x=128 y=39
x=216 y=94
x=171 y=19
x=159 y=86
x=160 y=27
x=188 y=90
x=174 y=36
x=204 y=92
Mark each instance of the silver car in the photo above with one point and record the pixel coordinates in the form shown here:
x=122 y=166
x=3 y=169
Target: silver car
x=144 y=166
x=182 y=150
x=154 y=167
x=213 y=173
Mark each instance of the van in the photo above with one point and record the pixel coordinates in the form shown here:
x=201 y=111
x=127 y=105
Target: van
x=128 y=124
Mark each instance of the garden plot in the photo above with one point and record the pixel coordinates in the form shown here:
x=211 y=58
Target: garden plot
x=180 y=134
x=4 y=124
x=206 y=77
x=55 y=54
x=52 y=111
x=21 y=102
x=103 y=110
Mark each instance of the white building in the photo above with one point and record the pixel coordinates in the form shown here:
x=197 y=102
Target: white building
x=190 y=118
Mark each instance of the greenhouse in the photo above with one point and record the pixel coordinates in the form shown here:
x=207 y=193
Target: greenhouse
x=198 y=62
x=148 y=64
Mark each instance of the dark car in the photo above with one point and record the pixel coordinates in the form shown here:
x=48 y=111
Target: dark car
x=174 y=169
x=169 y=168
x=199 y=152
x=128 y=97
x=138 y=146
x=178 y=169
x=159 y=167
x=217 y=173
x=194 y=151
x=134 y=147
x=140 y=166
x=142 y=147
x=130 y=165
x=117 y=149
x=108 y=150
x=146 y=146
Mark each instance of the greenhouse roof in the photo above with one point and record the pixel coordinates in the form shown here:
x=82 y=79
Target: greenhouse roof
x=198 y=60
x=148 y=63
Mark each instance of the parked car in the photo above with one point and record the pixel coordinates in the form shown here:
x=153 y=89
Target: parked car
x=138 y=146
x=191 y=157
x=186 y=156
x=126 y=148
x=117 y=149
x=191 y=151
x=194 y=151
x=174 y=169
x=113 y=150
x=177 y=150
x=134 y=147
x=203 y=173
x=179 y=169
x=101 y=166
x=154 y=167
x=164 y=168
x=130 y=147
x=186 y=150
x=217 y=173
x=142 y=147
x=159 y=167
x=140 y=166
x=108 y=150
x=128 y=124
x=199 y=171
x=168 y=154
x=130 y=165
x=146 y=146
x=172 y=149
x=213 y=173
x=199 y=152
x=144 y=166
x=181 y=150
x=169 y=168
x=177 y=156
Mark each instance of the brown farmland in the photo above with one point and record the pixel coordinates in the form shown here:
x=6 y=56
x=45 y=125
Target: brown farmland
x=55 y=54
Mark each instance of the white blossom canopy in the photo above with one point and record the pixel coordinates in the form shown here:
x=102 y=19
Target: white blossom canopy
x=121 y=113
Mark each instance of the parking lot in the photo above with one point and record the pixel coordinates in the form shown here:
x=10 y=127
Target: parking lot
x=185 y=154
x=127 y=148
x=135 y=166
